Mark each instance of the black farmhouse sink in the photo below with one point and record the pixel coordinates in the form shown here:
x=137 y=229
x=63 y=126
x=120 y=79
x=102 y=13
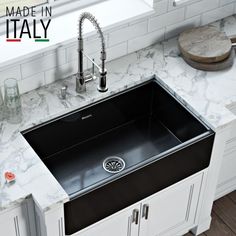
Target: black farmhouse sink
x=147 y=139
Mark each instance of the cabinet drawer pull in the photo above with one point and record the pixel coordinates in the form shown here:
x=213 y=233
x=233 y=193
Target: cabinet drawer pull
x=135 y=216
x=16 y=223
x=145 y=211
x=61 y=226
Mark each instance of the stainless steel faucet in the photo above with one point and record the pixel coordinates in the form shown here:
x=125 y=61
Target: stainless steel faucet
x=80 y=78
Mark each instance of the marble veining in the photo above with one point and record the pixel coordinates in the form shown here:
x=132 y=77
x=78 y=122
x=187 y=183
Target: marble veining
x=205 y=93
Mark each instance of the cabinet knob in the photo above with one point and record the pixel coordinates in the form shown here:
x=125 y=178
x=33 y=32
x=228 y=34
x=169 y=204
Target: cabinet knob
x=135 y=216
x=145 y=211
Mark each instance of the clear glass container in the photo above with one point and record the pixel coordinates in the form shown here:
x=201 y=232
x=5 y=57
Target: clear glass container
x=12 y=101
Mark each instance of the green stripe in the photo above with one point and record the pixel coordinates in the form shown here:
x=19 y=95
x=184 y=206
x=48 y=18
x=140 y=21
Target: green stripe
x=41 y=40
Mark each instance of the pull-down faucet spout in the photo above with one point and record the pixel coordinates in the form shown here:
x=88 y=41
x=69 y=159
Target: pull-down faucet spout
x=80 y=78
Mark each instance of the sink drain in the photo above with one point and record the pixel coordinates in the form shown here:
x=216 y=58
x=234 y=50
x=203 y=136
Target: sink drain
x=113 y=164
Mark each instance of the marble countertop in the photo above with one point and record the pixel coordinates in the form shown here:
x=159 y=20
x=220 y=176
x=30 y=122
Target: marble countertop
x=206 y=93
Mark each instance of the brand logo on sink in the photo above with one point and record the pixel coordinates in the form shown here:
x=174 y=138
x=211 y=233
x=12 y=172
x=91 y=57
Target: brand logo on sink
x=28 y=23
x=86 y=117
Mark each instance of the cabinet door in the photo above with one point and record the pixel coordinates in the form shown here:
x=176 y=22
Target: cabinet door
x=171 y=210
x=123 y=223
x=15 y=222
x=22 y=220
x=8 y=224
x=51 y=222
x=227 y=175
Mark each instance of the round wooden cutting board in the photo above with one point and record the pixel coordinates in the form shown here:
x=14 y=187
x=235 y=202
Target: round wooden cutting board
x=205 y=44
x=228 y=62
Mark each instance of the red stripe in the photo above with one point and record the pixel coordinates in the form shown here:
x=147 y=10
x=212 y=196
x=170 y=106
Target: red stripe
x=13 y=40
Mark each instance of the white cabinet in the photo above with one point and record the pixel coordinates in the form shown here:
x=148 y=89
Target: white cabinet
x=171 y=211
x=166 y=213
x=227 y=177
x=15 y=222
x=51 y=222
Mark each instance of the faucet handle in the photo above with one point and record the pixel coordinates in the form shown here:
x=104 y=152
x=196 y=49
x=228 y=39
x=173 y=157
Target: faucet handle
x=93 y=67
x=90 y=73
x=80 y=83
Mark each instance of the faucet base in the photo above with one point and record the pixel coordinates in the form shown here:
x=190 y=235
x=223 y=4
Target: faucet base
x=102 y=90
x=102 y=86
x=80 y=84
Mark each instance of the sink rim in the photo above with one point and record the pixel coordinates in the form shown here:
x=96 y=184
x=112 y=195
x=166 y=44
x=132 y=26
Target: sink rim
x=152 y=78
x=142 y=164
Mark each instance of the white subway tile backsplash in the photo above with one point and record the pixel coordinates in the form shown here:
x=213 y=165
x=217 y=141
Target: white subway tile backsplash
x=10 y=72
x=167 y=19
x=146 y=40
x=200 y=7
x=43 y=63
x=34 y=57
x=61 y=72
x=217 y=14
x=131 y=23
x=113 y=52
x=166 y=22
x=72 y=55
x=93 y=44
x=122 y=26
x=71 y=52
x=32 y=82
x=117 y=51
x=129 y=32
x=176 y=29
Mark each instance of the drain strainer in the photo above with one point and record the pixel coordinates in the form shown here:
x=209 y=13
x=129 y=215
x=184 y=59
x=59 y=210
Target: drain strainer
x=113 y=164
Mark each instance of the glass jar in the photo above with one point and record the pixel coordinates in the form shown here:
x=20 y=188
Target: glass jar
x=12 y=101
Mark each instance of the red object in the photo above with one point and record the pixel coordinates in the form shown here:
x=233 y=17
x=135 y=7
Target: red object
x=9 y=176
x=13 y=40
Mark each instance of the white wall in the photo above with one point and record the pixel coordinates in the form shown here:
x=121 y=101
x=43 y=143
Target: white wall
x=168 y=21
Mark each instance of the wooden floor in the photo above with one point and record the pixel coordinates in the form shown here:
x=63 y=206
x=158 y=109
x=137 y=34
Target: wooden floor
x=223 y=217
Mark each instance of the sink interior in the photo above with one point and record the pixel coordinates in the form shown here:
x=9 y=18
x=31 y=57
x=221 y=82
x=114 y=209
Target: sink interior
x=136 y=125
x=134 y=141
